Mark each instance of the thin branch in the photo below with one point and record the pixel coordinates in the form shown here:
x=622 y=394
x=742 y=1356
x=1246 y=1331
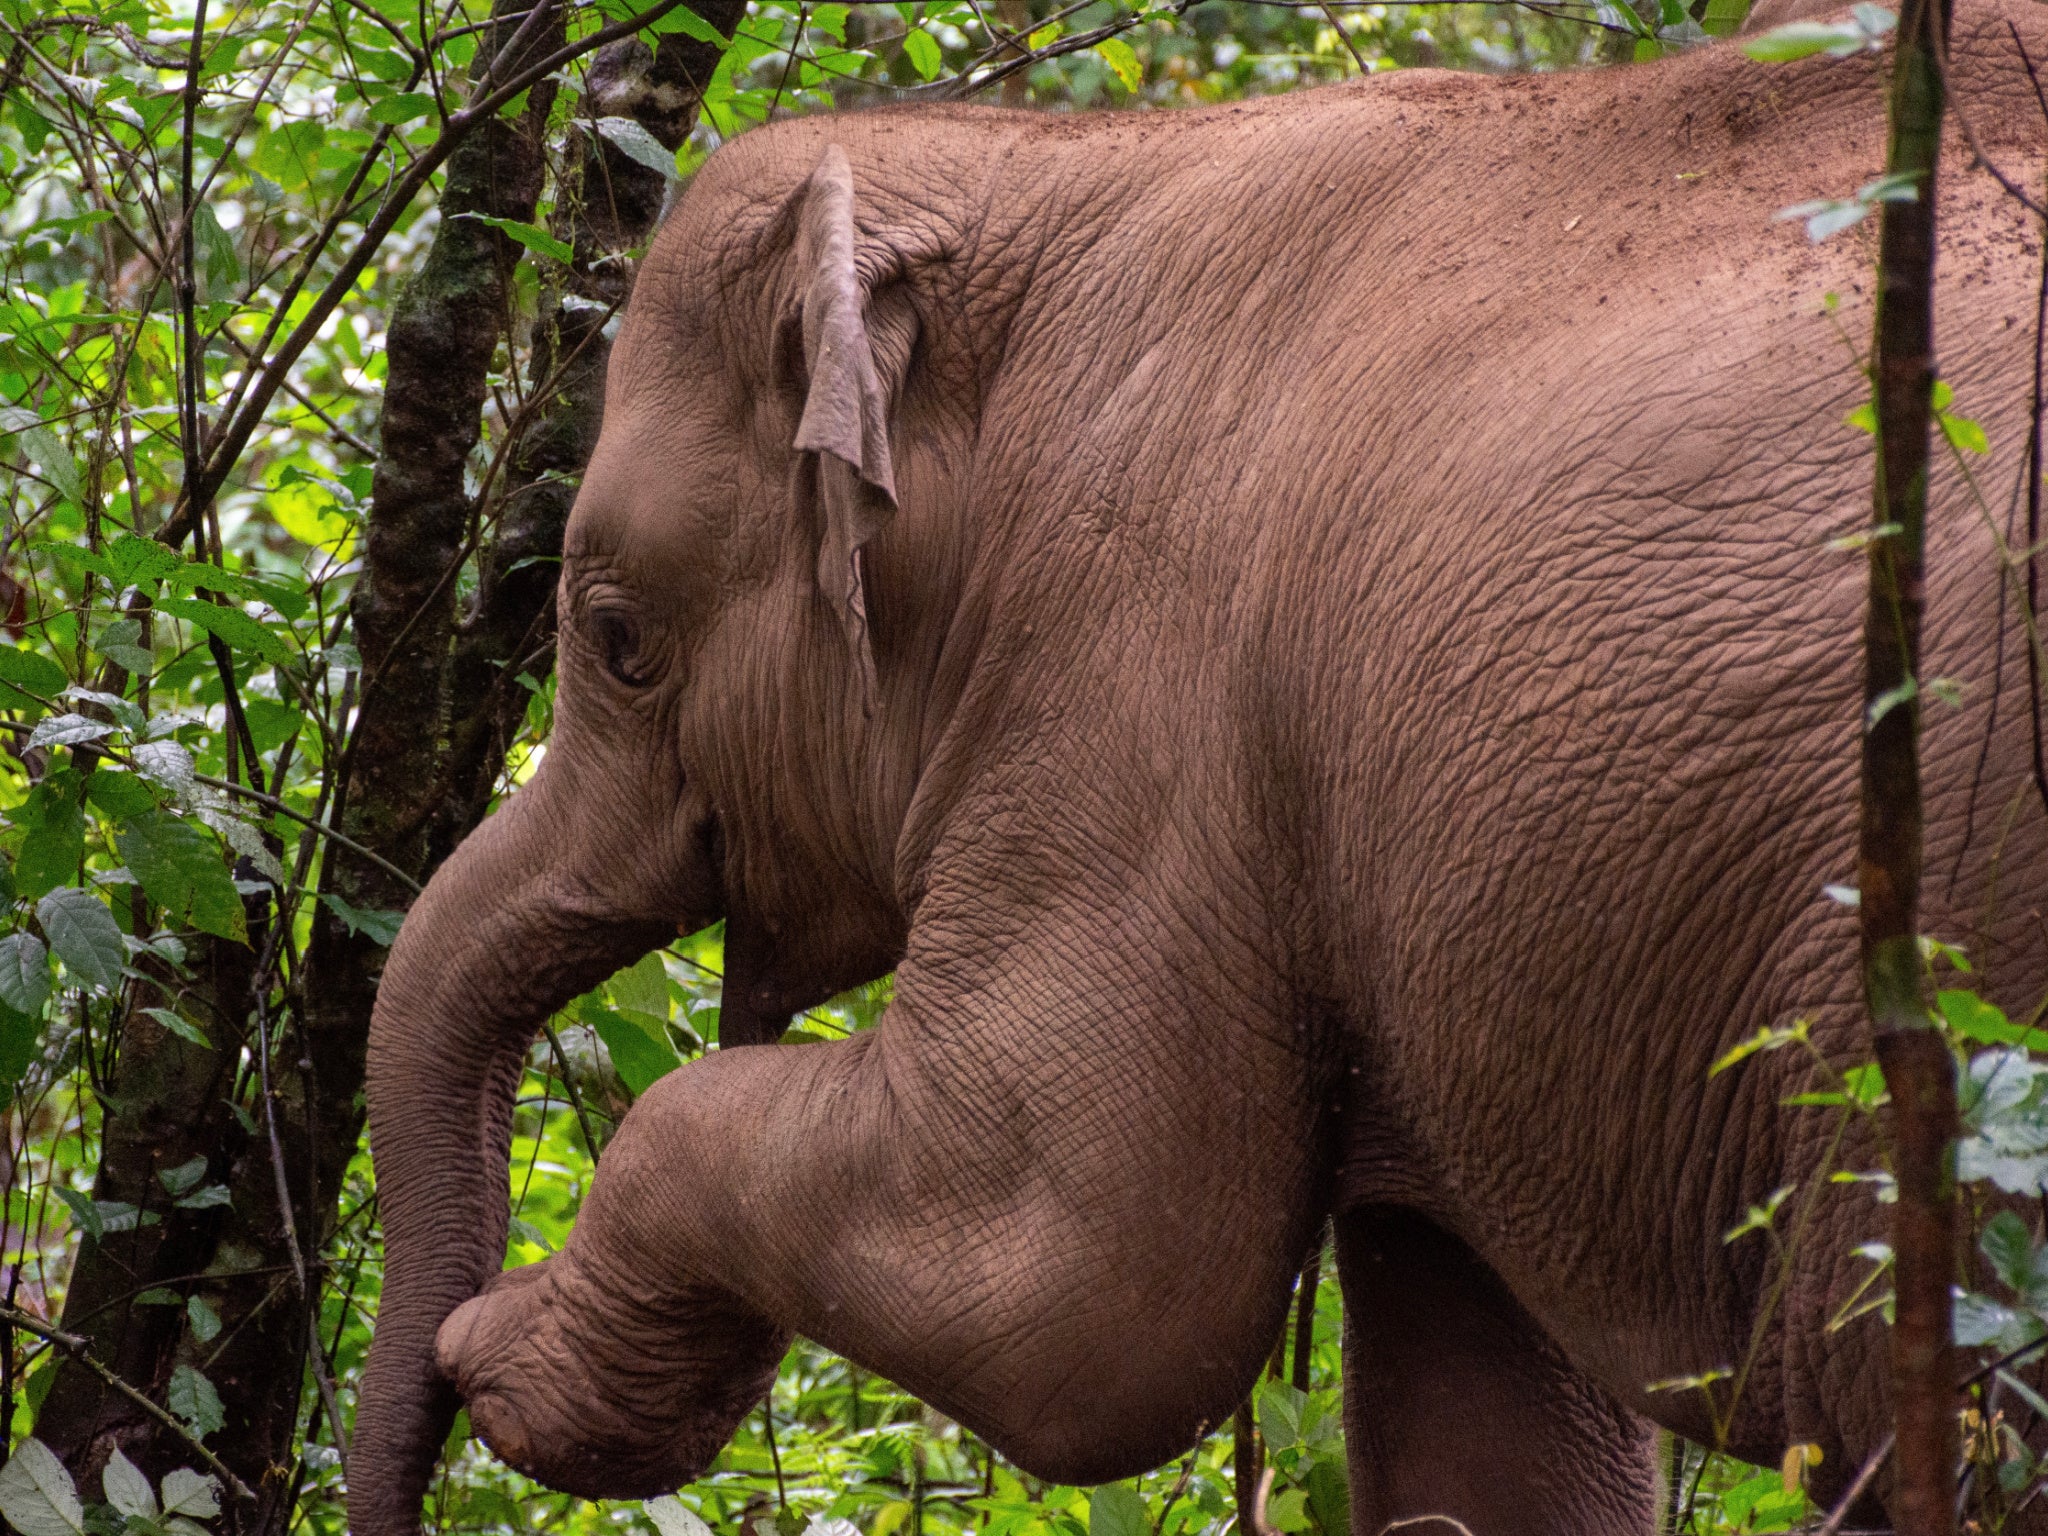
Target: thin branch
x=272 y=803
x=80 y=1350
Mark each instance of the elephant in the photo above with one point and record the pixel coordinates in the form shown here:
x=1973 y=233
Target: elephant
x=1305 y=635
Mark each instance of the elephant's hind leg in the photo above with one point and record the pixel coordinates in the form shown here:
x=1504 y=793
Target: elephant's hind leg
x=1457 y=1405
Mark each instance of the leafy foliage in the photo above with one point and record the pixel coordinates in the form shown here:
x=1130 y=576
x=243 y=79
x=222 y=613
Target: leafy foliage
x=179 y=714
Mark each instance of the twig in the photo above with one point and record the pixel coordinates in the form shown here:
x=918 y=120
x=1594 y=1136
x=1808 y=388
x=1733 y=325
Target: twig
x=272 y=803
x=1180 y=1486
x=569 y=1083
x=1345 y=38
x=81 y=1350
x=1833 y=1524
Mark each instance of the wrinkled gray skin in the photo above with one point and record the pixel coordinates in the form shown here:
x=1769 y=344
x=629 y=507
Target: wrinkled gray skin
x=1303 y=633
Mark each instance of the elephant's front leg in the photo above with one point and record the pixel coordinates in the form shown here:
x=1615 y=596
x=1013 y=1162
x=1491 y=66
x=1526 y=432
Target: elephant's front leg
x=1456 y=1405
x=1058 y=1193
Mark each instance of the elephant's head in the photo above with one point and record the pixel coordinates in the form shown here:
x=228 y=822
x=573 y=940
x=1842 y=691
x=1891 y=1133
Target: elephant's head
x=735 y=736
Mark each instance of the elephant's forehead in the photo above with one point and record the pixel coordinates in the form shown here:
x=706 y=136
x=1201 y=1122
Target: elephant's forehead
x=661 y=488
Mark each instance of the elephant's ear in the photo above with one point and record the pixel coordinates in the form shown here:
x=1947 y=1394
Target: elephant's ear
x=856 y=350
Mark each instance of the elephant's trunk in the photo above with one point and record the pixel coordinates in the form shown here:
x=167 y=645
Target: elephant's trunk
x=503 y=935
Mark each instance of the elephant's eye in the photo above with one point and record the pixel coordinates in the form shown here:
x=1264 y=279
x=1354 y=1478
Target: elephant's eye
x=617 y=637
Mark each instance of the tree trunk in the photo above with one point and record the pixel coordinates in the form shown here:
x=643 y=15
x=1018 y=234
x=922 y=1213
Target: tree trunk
x=1918 y=1067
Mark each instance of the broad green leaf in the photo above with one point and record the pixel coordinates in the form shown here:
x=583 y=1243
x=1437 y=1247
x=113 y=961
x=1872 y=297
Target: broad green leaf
x=230 y=625
x=1866 y=27
x=55 y=841
x=1975 y=1019
x=402 y=107
x=205 y=1325
x=119 y=794
x=642 y=987
x=533 y=239
x=373 y=923
x=180 y=869
x=639 y=1059
x=191 y=1493
x=686 y=21
x=166 y=763
x=127 y=1487
x=84 y=934
x=67 y=731
x=19 y=1035
x=2007 y=1243
x=1288 y=1511
x=180 y=1026
x=1115 y=1509
x=672 y=1517
x=922 y=49
x=1279 y=1411
x=85 y=1211
x=176 y=1181
x=56 y=463
x=37 y=1495
x=192 y=1398
x=36 y=673
x=136 y=560
x=24 y=974
x=638 y=145
x=1120 y=57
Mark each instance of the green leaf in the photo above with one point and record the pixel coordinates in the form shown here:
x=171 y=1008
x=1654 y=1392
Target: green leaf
x=1288 y=1511
x=128 y=1488
x=1891 y=699
x=231 y=626
x=190 y=1493
x=31 y=671
x=686 y=21
x=203 y=1320
x=638 y=145
x=180 y=869
x=1866 y=27
x=55 y=842
x=922 y=49
x=533 y=239
x=83 y=1211
x=1279 y=1410
x=135 y=559
x=119 y=794
x=2009 y=1246
x=84 y=934
x=56 y=463
x=37 y=1495
x=404 y=107
x=373 y=923
x=24 y=974
x=176 y=1181
x=19 y=1036
x=1971 y=1017
x=640 y=1060
x=642 y=987
x=1120 y=57
x=180 y=1026
x=67 y=731
x=672 y=1517
x=192 y=1398
x=1116 y=1509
